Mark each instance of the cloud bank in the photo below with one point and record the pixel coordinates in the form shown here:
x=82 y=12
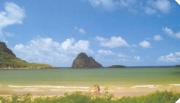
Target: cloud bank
x=172 y=57
x=147 y=6
x=47 y=50
x=12 y=14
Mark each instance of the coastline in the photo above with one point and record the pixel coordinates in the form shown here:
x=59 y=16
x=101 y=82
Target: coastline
x=59 y=90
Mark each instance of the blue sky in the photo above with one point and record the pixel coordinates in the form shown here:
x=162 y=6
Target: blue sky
x=127 y=32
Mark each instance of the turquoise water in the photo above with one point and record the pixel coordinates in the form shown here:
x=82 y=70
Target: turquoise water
x=125 y=76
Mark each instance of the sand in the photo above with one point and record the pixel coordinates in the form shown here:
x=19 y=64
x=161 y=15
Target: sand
x=119 y=91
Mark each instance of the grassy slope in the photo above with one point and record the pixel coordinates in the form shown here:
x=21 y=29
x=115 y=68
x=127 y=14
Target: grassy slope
x=89 y=77
x=10 y=61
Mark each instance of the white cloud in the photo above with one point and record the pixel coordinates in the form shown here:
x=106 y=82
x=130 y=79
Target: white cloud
x=172 y=33
x=47 y=50
x=172 y=57
x=105 y=52
x=145 y=44
x=149 y=6
x=178 y=1
x=163 y=5
x=114 y=4
x=12 y=14
x=112 y=42
x=75 y=46
x=155 y=6
x=80 y=30
x=157 y=37
x=107 y=4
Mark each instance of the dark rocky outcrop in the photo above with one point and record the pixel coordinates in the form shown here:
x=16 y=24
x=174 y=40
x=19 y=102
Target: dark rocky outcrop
x=8 y=60
x=117 y=66
x=84 y=61
x=4 y=49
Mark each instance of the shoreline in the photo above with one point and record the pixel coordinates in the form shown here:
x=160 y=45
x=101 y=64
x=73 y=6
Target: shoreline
x=54 y=90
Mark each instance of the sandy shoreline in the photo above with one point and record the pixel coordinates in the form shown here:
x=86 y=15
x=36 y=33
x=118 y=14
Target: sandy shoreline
x=47 y=86
x=52 y=90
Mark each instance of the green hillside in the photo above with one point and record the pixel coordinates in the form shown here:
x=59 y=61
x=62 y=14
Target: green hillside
x=8 y=60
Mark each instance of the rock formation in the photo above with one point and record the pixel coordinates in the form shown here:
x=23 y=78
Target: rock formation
x=5 y=50
x=84 y=61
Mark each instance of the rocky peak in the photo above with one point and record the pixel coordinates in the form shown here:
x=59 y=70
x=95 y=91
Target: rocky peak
x=5 y=49
x=82 y=55
x=84 y=61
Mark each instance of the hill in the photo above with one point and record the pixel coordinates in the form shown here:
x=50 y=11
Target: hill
x=84 y=61
x=8 y=60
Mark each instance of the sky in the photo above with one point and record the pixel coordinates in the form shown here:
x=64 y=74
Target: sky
x=124 y=32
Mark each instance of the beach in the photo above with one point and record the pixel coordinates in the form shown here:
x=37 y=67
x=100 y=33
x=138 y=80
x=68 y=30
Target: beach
x=118 y=91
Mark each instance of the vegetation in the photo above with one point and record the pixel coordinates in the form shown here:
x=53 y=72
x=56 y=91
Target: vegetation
x=14 y=63
x=158 y=97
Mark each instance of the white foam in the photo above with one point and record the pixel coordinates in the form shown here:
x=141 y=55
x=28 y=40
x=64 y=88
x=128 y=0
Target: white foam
x=144 y=86
x=175 y=84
